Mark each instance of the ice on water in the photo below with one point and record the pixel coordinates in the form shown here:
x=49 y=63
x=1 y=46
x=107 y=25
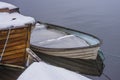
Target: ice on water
x=51 y=38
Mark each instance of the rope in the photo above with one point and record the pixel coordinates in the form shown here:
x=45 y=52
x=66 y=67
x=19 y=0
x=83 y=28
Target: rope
x=3 y=51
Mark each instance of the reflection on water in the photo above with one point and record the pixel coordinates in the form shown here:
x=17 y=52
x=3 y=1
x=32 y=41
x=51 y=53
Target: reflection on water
x=99 y=17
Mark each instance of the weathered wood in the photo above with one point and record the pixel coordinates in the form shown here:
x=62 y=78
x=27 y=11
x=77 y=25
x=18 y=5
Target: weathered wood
x=14 y=60
x=12 y=40
x=14 y=35
x=9 y=10
x=33 y=55
x=19 y=40
x=13 y=44
x=11 y=50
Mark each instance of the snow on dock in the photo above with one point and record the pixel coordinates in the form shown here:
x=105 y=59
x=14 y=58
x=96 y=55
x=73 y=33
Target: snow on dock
x=14 y=19
x=6 y=5
x=44 y=71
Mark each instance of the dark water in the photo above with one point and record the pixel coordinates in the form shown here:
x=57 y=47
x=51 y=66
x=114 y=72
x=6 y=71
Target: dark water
x=98 y=17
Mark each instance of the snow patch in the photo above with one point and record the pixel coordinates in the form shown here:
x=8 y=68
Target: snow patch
x=6 y=5
x=14 y=19
x=44 y=71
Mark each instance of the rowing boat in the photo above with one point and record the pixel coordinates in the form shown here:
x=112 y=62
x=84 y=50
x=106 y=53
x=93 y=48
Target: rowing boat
x=64 y=42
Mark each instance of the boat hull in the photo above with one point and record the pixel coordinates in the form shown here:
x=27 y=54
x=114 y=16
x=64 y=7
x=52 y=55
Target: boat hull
x=87 y=52
x=82 y=66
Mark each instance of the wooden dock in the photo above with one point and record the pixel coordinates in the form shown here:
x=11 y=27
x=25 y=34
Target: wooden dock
x=9 y=73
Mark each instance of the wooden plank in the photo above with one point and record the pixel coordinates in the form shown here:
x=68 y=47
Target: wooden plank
x=14 y=44
x=13 y=36
x=9 y=10
x=14 y=60
x=4 y=10
x=19 y=39
x=28 y=43
x=13 y=52
x=17 y=31
x=17 y=55
x=14 y=48
x=13 y=40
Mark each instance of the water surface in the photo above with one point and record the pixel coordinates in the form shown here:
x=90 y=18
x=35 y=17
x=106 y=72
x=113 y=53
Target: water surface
x=98 y=17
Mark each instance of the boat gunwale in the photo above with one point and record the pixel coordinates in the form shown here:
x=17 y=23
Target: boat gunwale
x=64 y=49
